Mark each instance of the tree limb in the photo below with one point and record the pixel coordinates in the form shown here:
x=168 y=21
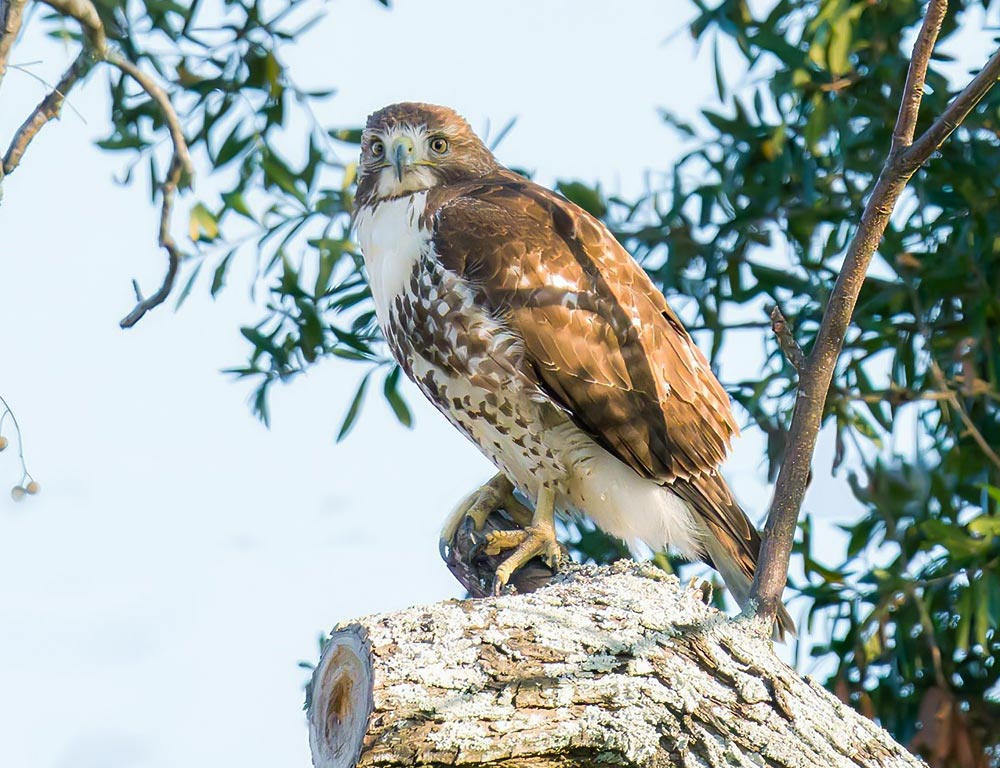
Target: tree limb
x=11 y=17
x=817 y=374
x=48 y=109
x=617 y=665
x=916 y=75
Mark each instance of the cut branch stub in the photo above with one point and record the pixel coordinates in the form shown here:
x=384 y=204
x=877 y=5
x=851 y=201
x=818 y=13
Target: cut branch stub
x=337 y=724
x=615 y=665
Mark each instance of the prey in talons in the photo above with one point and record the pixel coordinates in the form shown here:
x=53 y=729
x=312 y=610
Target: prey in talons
x=497 y=493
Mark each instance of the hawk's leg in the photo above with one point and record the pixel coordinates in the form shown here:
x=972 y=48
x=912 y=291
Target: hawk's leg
x=537 y=539
x=496 y=494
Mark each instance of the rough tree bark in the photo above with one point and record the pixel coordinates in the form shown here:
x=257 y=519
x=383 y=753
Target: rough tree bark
x=606 y=666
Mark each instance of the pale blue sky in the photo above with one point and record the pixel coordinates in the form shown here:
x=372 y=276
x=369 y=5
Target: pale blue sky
x=181 y=559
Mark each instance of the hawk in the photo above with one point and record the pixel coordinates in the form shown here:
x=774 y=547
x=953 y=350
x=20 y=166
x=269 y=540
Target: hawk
x=526 y=323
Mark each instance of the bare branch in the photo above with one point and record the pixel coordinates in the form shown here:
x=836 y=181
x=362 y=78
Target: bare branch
x=166 y=241
x=180 y=173
x=48 y=109
x=793 y=352
x=86 y=14
x=916 y=75
x=897 y=395
x=181 y=154
x=974 y=432
x=11 y=17
x=817 y=374
x=956 y=112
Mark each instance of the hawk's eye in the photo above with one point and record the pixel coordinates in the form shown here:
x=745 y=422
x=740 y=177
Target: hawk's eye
x=439 y=145
x=378 y=148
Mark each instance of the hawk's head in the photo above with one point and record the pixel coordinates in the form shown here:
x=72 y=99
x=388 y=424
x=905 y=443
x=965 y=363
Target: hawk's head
x=409 y=147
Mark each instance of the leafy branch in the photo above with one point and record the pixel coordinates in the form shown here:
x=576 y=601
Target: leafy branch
x=95 y=48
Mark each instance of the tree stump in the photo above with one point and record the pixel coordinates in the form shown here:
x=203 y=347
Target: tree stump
x=616 y=665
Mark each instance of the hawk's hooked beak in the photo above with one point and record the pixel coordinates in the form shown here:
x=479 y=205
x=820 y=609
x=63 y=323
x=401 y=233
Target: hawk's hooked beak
x=402 y=155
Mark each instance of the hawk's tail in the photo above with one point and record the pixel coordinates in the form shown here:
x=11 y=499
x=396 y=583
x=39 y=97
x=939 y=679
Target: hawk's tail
x=730 y=542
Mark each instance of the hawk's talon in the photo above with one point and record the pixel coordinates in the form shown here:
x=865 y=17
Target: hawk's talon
x=497 y=493
x=537 y=540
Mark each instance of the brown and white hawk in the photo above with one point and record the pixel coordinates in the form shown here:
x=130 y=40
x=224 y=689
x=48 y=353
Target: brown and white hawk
x=537 y=334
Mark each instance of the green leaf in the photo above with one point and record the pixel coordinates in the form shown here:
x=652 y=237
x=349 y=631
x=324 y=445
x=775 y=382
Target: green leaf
x=279 y=174
x=346 y=135
x=720 y=83
x=219 y=277
x=232 y=148
x=396 y=401
x=964 y=611
x=234 y=201
x=186 y=291
x=984 y=622
x=355 y=408
x=588 y=198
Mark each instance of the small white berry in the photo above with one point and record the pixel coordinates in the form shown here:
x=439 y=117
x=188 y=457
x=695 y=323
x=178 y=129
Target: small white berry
x=17 y=493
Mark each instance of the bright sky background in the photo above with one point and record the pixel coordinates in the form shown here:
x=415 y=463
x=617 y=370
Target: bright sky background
x=155 y=599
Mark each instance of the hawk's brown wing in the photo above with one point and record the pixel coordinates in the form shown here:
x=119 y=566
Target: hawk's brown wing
x=605 y=345
x=599 y=334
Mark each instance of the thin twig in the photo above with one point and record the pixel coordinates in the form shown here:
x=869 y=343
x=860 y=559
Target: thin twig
x=817 y=374
x=927 y=624
x=793 y=352
x=48 y=109
x=167 y=242
x=24 y=69
x=180 y=173
x=8 y=411
x=956 y=112
x=169 y=114
x=896 y=395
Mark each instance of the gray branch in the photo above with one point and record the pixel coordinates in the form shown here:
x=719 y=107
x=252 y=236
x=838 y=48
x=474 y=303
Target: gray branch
x=607 y=666
x=48 y=109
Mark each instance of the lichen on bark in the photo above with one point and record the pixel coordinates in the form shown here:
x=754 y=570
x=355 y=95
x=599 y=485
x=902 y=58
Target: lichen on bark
x=617 y=665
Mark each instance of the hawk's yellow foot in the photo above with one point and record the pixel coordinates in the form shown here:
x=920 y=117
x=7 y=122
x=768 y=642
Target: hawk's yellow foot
x=537 y=539
x=496 y=494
